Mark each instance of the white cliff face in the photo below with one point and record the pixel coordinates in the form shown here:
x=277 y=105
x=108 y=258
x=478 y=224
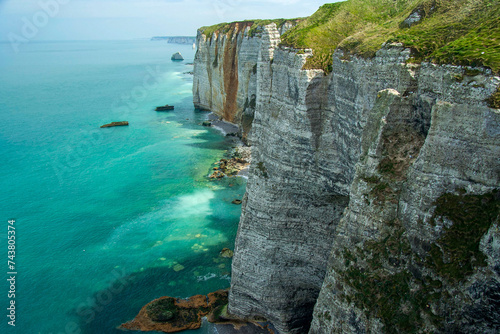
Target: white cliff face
x=344 y=164
x=225 y=69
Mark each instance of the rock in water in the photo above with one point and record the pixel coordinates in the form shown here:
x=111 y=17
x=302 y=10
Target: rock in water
x=164 y=108
x=109 y=125
x=169 y=315
x=177 y=56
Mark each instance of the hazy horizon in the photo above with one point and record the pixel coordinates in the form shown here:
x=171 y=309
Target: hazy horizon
x=23 y=21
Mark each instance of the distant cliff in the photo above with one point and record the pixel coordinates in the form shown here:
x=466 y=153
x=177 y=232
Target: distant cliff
x=175 y=39
x=373 y=198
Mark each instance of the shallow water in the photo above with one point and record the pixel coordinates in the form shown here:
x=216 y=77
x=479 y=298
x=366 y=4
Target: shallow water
x=104 y=216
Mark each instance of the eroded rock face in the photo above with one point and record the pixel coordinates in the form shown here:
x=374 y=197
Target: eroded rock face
x=225 y=74
x=341 y=198
x=415 y=250
x=306 y=135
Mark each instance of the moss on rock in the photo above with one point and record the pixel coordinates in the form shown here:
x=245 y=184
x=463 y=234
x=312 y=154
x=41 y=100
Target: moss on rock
x=162 y=310
x=459 y=32
x=262 y=169
x=494 y=100
x=456 y=253
x=383 y=286
x=169 y=315
x=389 y=281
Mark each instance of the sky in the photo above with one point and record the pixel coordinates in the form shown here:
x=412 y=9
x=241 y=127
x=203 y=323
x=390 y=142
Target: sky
x=133 y=19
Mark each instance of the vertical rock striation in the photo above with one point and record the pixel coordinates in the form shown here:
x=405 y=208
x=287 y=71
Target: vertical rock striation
x=355 y=184
x=225 y=74
x=417 y=248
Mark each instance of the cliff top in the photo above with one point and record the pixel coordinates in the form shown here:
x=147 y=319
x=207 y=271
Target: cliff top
x=458 y=32
x=254 y=25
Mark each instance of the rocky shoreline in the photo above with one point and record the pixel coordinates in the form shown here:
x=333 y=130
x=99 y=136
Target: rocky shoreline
x=227 y=128
x=236 y=165
x=171 y=315
x=239 y=158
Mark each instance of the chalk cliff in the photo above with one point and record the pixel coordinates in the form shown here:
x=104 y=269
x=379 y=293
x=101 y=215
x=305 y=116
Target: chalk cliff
x=225 y=71
x=372 y=203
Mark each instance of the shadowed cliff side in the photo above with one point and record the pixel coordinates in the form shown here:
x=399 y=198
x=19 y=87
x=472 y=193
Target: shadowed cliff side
x=415 y=250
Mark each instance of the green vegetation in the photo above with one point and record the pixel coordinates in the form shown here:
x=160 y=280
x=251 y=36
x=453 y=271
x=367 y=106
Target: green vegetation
x=163 y=310
x=224 y=28
x=383 y=289
x=370 y=179
x=456 y=253
x=263 y=169
x=219 y=314
x=383 y=274
x=494 y=100
x=401 y=145
x=382 y=192
x=260 y=23
x=461 y=32
x=325 y=315
x=386 y=166
x=312 y=33
x=221 y=28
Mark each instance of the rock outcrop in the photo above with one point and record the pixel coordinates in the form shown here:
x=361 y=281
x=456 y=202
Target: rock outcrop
x=177 y=56
x=112 y=124
x=373 y=192
x=170 y=315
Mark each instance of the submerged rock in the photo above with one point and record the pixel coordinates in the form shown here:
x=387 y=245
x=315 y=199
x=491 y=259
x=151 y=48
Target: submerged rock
x=226 y=252
x=217 y=175
x=178 y=267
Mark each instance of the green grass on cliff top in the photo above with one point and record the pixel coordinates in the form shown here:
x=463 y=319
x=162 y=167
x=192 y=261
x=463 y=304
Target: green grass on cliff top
x=459 y=32
x=224 y=28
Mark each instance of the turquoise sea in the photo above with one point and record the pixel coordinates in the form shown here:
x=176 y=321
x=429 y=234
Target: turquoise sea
x=107 y=220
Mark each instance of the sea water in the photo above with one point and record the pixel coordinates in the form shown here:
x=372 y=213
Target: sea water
x=106 y=220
